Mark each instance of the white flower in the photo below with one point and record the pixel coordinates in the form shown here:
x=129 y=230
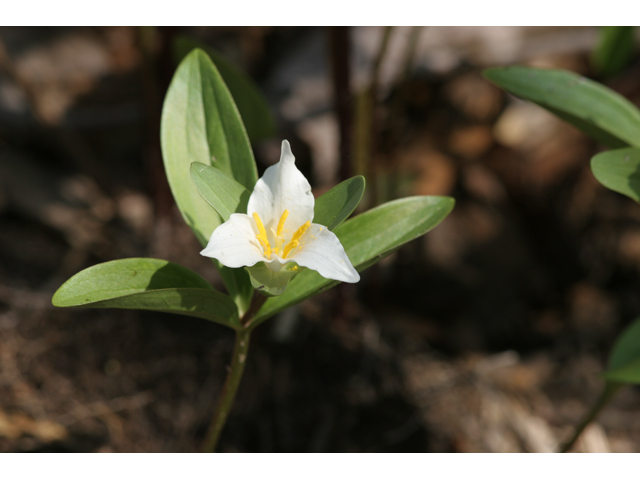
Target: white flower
x=277 y=229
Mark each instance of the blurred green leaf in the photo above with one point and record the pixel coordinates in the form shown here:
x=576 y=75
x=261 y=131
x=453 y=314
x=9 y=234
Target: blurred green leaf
x=147 y=284
x=335 y=206
x=624 y=361
x=367 y=238
x=614 y=50
x=220 y=191
x=252 y=105
x=619 y=170
x=593 y=108
x=200 y=123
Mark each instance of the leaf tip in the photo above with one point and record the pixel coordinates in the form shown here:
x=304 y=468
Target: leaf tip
x=57 y=300
x=196 y=52
x=489 y=72
x=196 y=167
x=449 y=203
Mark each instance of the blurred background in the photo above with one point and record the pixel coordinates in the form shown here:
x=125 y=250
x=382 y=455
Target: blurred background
x=486 y=335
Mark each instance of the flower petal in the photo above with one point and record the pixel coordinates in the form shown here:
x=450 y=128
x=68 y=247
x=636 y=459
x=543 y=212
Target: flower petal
x=321 y=250
x=234 y=243
x=282 y=187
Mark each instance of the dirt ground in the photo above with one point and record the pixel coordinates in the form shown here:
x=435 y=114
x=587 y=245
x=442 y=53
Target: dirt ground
x=486 y=335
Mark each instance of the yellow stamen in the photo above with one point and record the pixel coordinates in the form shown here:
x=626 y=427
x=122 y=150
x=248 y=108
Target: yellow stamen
x=300 y=231
x=294 y=240
x=265 y=245
x=290 y=246
x=261 y=229
x=283 y=218
x=279 y=241
x=262 y=237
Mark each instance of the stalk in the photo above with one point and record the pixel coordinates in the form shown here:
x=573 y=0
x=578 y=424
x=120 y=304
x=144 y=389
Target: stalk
x=234 y=376
x=607 y=394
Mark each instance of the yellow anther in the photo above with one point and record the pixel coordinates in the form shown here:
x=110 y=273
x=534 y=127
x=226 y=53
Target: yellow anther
x=263 y=242
x=261 y=229
x=265 y=245
x=262 y=236
x=290 y=246
x=294 y=240
x=283 y=218
x=300 y=231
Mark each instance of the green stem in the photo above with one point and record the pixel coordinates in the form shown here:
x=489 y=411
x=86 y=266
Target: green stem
x=234 y=376
x=607 y=394
x=229 y=390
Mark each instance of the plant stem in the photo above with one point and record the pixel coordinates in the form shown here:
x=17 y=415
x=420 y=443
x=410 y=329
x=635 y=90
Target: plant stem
x=234 y=375
x=610 y=389
x=229 y=390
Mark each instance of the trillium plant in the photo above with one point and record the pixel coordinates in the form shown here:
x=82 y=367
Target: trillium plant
x=273 y=243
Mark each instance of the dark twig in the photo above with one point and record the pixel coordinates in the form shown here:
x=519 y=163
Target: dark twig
x=339 y=49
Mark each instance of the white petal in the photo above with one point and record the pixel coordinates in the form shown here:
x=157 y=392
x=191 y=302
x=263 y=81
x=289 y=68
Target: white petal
x=282 y=187
x=321 y=250
x=234 y=243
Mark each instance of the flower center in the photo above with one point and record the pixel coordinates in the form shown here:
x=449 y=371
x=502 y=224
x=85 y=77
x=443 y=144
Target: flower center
x=278 y=236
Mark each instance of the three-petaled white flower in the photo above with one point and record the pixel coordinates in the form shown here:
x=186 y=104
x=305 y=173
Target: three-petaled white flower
x=277 y=229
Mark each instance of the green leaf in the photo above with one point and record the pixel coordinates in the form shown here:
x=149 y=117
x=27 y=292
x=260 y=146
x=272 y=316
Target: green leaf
x=147 y=284
x=200 y=123
x=219 y=190
x=593 y=108
x=272 y=283
x=624 y=361
x=619 y=170
x=252 y=105
x=335 y=206
x=367 y=238
x=614 y=50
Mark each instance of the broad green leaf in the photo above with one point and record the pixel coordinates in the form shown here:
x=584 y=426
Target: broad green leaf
x=219 y=190
x=614 y=50
x=335 y=206
x=147 y=284
x=593 y=108
x=619 y=170
x=272 y=283
x=200 y=123
x=624 y=361
x=367 y=238
x=251 y=104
